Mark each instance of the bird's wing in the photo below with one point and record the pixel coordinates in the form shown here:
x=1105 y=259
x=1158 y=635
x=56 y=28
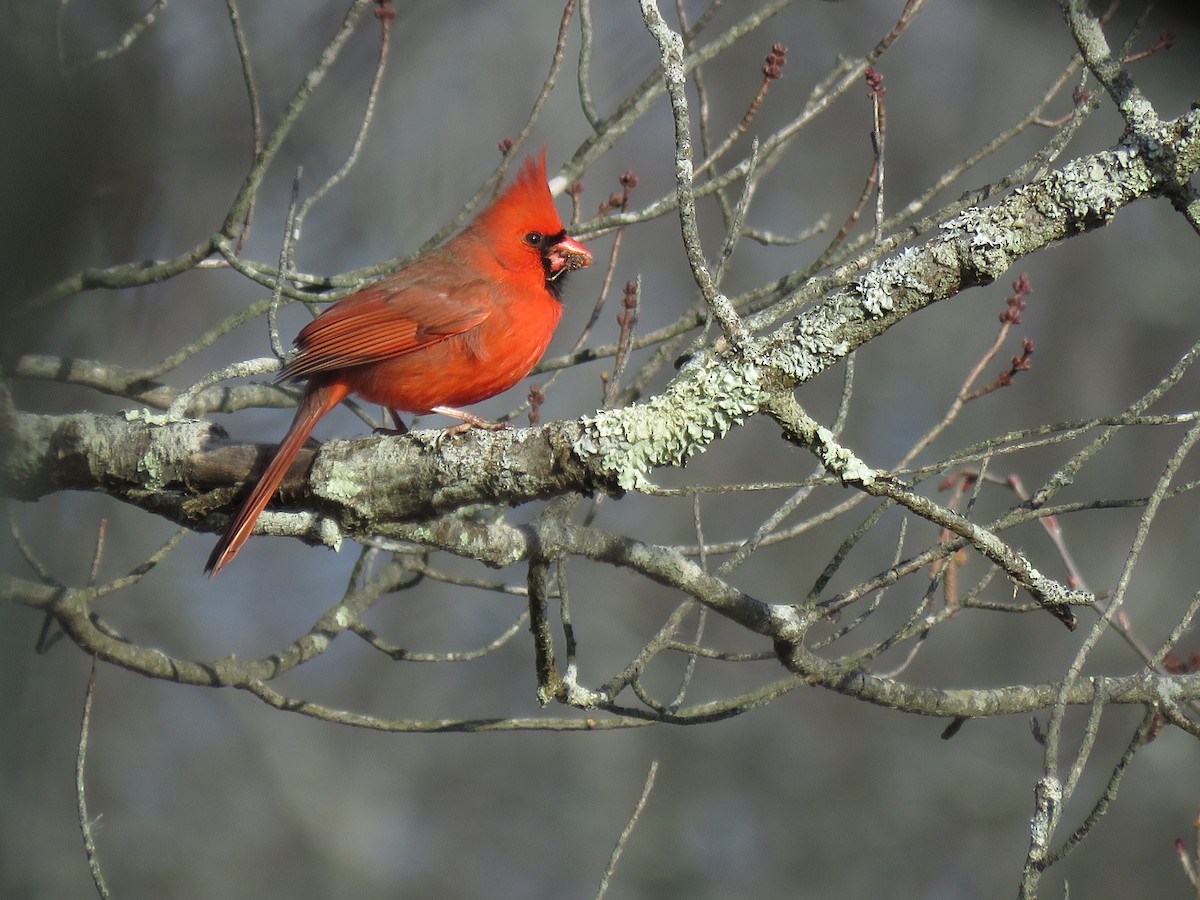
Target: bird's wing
x=397 y=316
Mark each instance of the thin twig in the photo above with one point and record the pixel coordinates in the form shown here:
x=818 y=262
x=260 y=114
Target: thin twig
x=674 y=73
x=123 y=43
x=584 y=77
x=291 y=232
x=638 y=809
x=256 y=142
x=385 y=16
x=85 y=821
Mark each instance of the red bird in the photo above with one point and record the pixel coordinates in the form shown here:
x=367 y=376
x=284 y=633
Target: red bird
x=458 y=325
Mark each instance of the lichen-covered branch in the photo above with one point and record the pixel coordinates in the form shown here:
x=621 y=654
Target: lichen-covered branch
x=167 y=465
x=715 y=392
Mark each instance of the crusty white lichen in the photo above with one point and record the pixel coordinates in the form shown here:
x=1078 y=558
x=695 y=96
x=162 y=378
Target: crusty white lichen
x=685 y=419
x=329 y=532
x=899 y=274
x=164 y=442
x=148 y=416
x=986 y=239
x=343 y=485
x=840 y=461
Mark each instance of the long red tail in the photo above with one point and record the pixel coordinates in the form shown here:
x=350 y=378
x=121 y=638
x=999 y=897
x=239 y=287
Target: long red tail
x=318 y=399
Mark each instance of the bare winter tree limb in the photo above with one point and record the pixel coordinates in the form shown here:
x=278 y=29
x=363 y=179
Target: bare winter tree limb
x=933 y=535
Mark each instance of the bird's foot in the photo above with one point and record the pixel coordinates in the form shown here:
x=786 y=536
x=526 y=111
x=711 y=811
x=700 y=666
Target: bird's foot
x=469 y=421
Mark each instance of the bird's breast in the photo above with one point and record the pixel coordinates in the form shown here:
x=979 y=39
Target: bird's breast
x=466 y=368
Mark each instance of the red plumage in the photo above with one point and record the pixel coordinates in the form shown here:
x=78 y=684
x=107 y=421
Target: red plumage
x=460 y=324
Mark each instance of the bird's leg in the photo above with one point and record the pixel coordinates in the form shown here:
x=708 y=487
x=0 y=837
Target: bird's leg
x=398 y=427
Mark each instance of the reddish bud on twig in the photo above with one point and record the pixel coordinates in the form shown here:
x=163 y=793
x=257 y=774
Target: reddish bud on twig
x=628 y=182
x=772 y=71
x=1176 y=666
x=1019 y=364
x=627 y=319
x=1016 y=303
x=506 y=145
x=1014 y=306
x=1186 y=861
x=383 y=11
x=776 y=60
x=629 y=304
x=875 y=82
x=964 y=480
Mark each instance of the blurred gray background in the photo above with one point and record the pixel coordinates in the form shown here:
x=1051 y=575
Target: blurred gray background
x=203 y=793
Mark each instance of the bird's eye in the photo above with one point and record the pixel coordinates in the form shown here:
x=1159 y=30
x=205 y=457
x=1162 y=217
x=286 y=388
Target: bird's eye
x=535 y=239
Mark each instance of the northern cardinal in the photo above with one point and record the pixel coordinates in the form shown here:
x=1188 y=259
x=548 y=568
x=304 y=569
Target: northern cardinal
x=458 y=325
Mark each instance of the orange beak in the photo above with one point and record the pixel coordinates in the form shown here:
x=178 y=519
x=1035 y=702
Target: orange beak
x=566 y=256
